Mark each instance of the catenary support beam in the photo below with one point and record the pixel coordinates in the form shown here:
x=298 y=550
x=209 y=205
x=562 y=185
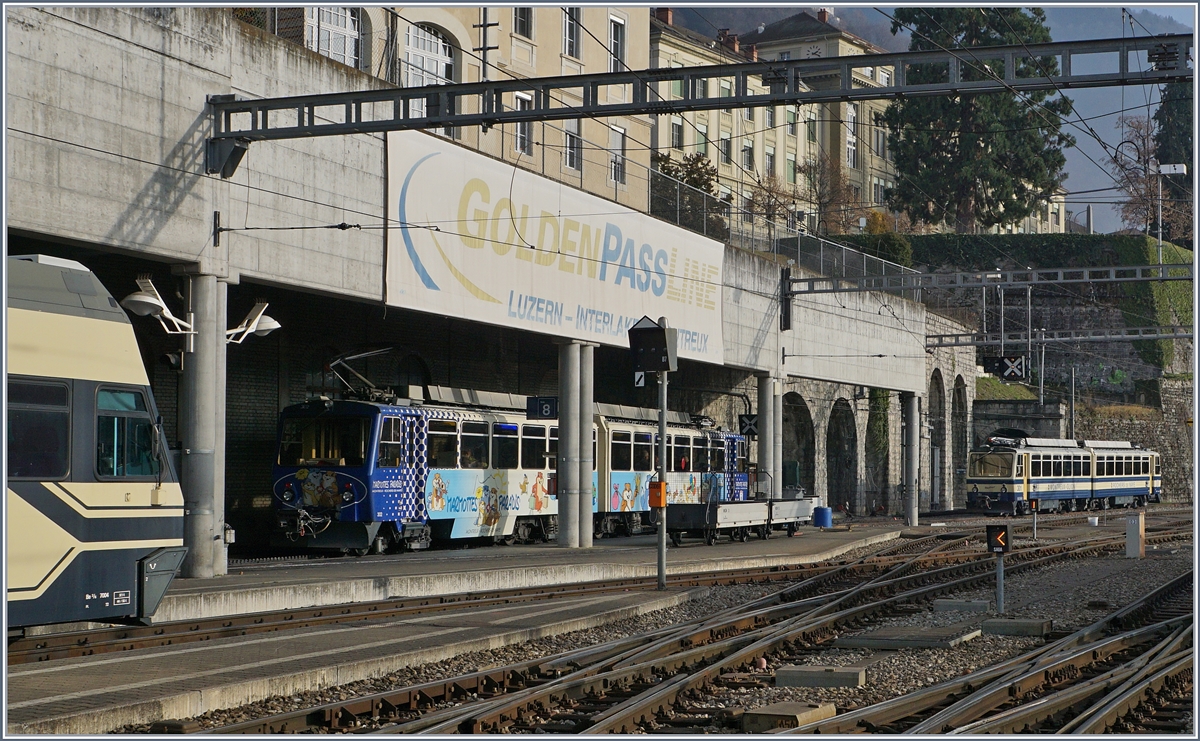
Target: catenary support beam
x=491 y=103
x=985 y=278
x=1117 y=334
x=200 y=429
x=586 y=412
x=568 y=445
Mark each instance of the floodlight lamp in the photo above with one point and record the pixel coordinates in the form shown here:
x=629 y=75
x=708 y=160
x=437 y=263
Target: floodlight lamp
x=143 y=303
x=266 y=325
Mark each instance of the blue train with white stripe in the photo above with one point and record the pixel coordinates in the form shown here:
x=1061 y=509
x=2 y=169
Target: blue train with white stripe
x=397 y=474
x=1017 y=475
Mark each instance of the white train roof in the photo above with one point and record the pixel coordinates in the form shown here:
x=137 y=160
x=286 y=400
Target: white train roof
x=1111 y=444
x=1049 y=442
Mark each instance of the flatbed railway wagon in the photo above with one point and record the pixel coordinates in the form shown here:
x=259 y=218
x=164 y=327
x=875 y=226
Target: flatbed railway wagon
x=1019 y=475
x=95 y=513
x=362 y=476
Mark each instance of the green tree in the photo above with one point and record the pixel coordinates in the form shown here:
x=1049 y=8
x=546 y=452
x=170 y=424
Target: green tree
x=1173 y=145
x=683 y=193
x=976 y=160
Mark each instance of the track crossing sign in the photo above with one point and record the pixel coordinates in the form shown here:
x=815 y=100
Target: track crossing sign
x=1009 y=368
x=998 y=539
x=748 y=424
x=639 y=379
x=541 y=407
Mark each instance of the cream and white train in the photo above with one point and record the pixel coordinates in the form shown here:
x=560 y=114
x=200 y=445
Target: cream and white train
x=94 y=520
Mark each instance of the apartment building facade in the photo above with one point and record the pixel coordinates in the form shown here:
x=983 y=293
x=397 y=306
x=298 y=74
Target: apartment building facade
x=421 y=45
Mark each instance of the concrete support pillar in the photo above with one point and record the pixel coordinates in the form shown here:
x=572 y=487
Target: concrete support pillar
x=766 y=433
x=935 y=479
x=777 y=440
x=199 y=433
x=911 y=410
x=586 y=412
x=568 y=445
x=220 y=356
x=1135 y=535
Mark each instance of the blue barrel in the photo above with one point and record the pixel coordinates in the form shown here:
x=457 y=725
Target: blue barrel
x=822 y=517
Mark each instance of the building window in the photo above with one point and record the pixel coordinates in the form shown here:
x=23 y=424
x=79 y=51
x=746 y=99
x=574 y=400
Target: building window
x=810 y=126
x=791 y=169
x=616 y=46
x=747 y=206
x=524 y=138
x=676 y=133
x=885 y=77
x=726 y=147
x=770 y=117
x=852 y=136
x=701 y=87
x=880 y=138
x=1054 y=216
x=726 y=92
x=333 y=33
x=877 y=189
x=428 y=60
x=702 y=139
x=868 y=72
x=748 y=155
x=523 y=22
x=785 y=56
x=572 y=145
x=749 y=113
x=791 y=120
x=616 y=148
x=769 y=162
x=677 y=85
x=571 y=23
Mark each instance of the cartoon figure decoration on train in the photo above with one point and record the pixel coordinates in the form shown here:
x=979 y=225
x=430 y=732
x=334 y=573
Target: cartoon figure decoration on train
x=319 y=487
x=627 y=498
x=437 y=494
x=539 y=501
x=595 y=498
x=641 y=494
x=614 y=502
x=487 y=506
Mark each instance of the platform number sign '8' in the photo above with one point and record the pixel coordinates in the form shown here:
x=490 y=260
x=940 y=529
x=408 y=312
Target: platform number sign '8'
x=998 y=539
x=541 y=407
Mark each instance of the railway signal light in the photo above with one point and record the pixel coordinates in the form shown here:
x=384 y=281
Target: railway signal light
x=998 y=539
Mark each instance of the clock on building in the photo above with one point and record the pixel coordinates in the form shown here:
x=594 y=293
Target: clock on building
x=812 y=50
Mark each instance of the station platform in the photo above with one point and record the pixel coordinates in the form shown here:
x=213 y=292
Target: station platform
x=98 y=694
x=262 y=587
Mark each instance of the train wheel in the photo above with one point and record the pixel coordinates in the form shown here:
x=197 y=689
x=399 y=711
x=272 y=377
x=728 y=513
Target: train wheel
x=677 y=539
x=358 y=552
x=710 y=537
x=765 y=532
x=743 y=534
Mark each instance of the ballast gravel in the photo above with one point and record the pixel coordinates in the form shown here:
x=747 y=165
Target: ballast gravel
x=1061 y=592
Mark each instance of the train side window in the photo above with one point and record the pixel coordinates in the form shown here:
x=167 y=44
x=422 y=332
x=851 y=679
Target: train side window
x=552 y=449
x=505 y=445
x=681 y=458
x=391 y=443
x=474 y=445
x=39 y=425
x=443 y=443
x=717 y=456
x=1020 y=466
x=1057 y=470
x=621 y=451
x=1087 y=466
x=741 y=457
x=1157 y=466
x=1035 y=465
x=1110 y=466
x=124 y=435
x=533 y=447
x=1076 y=466
x=643 y=452
x=700 y=454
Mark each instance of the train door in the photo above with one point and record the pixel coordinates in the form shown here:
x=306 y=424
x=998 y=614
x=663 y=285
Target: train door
x=1023 y=478
x=1156 y=477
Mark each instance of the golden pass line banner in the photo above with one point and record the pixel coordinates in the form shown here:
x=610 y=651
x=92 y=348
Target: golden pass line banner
x=593 y=270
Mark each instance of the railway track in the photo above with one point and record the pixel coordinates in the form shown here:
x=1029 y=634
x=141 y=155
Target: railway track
x=47 y=647
x=646 y=683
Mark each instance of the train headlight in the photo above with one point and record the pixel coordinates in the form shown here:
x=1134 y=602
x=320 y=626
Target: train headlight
x=288 y=494
x=348 y=495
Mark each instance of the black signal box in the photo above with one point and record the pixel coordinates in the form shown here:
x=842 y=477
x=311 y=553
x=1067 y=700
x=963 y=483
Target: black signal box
x=998 y=539
x=653 y=346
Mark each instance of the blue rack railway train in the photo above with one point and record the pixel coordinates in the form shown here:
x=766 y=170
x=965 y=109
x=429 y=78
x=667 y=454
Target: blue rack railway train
x=1013 y=475
x=370 y=476
x=95 y=513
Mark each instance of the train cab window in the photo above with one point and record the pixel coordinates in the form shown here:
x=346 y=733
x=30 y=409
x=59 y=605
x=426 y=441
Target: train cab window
x=552 y=449
x=39 y=424
x=621 y=451
x=443 y=443
x=504 y=445
x=643 y=452
x=990 y=465
x=716 y=454
x=681 y=456
x=124 y=435
x=323 y=441
x=474 y=445
x=533 y=447
x=391 y=443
